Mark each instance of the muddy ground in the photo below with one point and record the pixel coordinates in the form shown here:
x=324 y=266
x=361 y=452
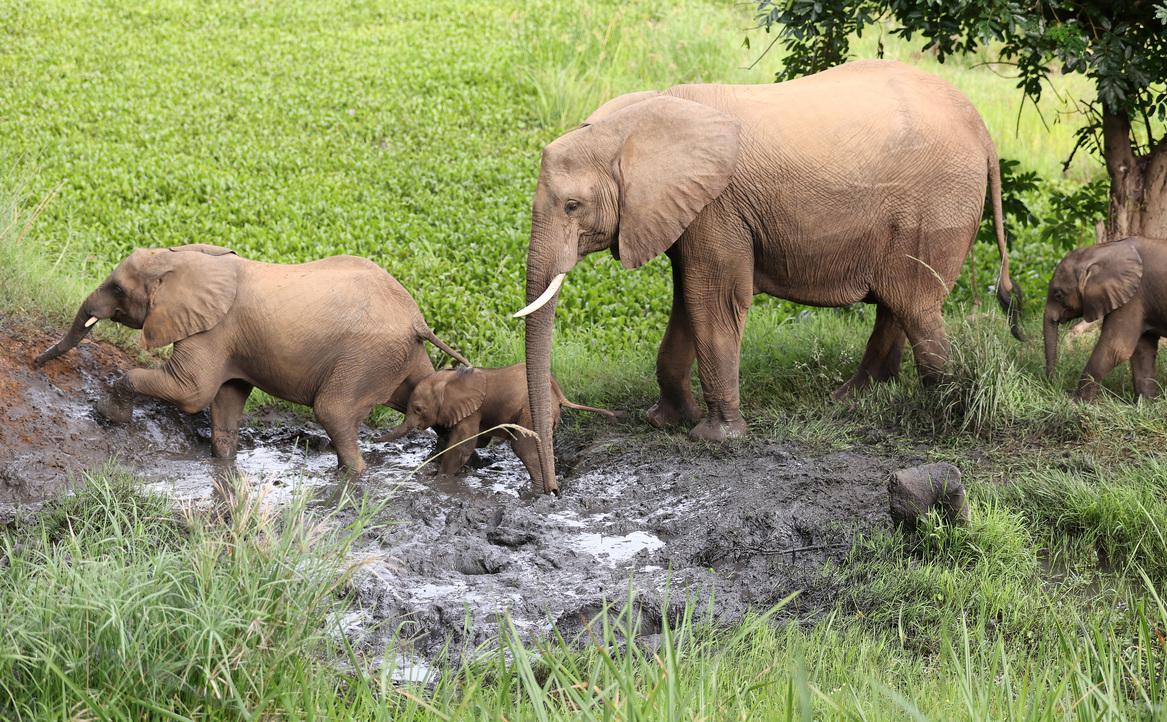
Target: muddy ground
x=665 y=520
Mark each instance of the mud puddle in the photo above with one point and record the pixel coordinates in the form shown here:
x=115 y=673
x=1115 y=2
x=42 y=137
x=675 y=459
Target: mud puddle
x=662 y=524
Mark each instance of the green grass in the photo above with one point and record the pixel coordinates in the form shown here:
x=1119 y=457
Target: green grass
x=410 y=133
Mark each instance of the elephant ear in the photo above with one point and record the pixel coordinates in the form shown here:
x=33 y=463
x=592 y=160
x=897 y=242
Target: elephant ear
x=1111 y=279
x=676 y=157
x=462 y=396
x=191 y=288
x=618 y=103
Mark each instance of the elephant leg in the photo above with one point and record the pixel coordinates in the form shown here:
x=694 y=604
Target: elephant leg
x=1115 y=345
x=226 y=411
x=187 y=380
x=925 y=331
x=460 y=446
x=341 y=420
x=674 y=362
x=881 y=360
x=1143 y=366
x=527 y=449
x=718 y=317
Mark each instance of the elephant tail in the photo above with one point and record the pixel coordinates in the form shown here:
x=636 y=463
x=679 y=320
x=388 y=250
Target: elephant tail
x=424 y=332
x=1008 y=293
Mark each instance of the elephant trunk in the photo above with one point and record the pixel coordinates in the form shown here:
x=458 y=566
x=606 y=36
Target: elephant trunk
x=1050 y=332
x=540 y=324
x=398 y=431
x=82 y=325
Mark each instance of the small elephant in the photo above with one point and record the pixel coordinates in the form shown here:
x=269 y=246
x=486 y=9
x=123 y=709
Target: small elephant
x=461 y=403
x=338 y=334
x=1124 y=283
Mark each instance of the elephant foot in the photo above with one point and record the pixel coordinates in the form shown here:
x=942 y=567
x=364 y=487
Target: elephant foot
x=665 y=414
x=714 y=429
x=1087 y=393
x=853 y=385
x=224 y=444
x=117 y=405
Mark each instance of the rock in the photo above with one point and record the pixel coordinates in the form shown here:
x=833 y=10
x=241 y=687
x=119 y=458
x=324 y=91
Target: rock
x=913 y=492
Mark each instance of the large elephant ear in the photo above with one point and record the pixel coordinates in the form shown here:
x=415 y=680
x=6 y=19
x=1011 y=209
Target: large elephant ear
x=463 y=395
x=618 y=103
x=191 y=288
x=1111 y=279
x=676 y=157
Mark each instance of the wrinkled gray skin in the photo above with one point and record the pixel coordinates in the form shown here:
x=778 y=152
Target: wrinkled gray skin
x=863 y=183
x=1124 y=283
x=459 y=404
x=339 y=334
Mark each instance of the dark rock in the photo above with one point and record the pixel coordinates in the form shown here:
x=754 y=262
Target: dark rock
x=913 y=492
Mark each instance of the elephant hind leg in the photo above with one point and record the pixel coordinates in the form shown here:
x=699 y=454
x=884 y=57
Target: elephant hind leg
x=341 y=418
x=925 y=331
x=881 y=360
x=226 y=412
x=1143 y=366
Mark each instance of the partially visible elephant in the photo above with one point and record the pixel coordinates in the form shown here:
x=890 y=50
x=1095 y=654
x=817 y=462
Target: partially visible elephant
x=863 y=183
x=339 y=334
x=1123 y=283
x=460 y=403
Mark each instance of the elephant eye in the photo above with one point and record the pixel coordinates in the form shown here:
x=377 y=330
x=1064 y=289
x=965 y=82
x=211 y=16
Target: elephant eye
x=571 y=206
x=117 y=290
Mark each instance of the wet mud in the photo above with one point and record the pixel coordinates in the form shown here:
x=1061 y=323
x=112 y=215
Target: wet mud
x=643 y=515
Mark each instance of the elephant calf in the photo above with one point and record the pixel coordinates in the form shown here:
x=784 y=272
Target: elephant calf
x=339 y=334
x=1124 y=283
x=460 y=403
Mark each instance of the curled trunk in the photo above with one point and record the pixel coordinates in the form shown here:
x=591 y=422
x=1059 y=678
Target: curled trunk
x=79 y=330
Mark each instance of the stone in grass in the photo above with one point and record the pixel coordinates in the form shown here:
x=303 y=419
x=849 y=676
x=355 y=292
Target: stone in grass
x=913 y=492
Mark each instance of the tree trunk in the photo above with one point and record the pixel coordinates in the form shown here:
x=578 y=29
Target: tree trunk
x=1138 y=184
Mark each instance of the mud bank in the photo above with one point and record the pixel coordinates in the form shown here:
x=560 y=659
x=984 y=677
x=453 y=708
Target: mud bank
x=663 y=521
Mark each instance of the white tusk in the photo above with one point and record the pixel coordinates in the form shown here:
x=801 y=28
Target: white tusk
x=92 y=320
x=538 y=303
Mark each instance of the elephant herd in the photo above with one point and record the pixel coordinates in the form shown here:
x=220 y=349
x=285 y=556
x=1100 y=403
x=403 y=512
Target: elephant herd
x=865 y=183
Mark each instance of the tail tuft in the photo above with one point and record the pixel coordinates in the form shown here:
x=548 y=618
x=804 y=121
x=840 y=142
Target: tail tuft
x=1011 y=302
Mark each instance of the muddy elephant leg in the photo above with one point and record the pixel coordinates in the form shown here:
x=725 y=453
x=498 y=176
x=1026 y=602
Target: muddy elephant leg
x=226 y=411
x=341 y=418
x=674 y=362
x=718 y=318
x=1143 y=366
x=460 y=446
x=527 y=449
x=1115 y=345
x=925 y=331
x=881 y=360
x=191 y=391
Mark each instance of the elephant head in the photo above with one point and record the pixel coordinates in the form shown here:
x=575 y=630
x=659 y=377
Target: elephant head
x=169 y=293
x=630 y=179
x=1089 y=282
x=443 y=398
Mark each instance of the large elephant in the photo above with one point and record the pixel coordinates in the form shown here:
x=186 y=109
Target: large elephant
x=339 y=334
x=863 y=183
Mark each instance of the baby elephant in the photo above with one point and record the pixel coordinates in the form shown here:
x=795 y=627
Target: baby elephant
x=339 y=334
x=1124 y=283
x=459 y=403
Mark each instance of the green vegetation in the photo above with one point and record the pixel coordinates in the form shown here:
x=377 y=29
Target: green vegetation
x=411 y=135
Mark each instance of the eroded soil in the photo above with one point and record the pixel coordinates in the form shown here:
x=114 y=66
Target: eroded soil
x=657 y=517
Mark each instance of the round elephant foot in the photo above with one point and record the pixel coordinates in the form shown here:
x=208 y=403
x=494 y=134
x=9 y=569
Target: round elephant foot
x=665 y=414
x=116 y=406
x=854 y=385
x=224 y=446
x=711 y=429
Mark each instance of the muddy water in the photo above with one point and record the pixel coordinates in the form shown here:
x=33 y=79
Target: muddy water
x=641 y=514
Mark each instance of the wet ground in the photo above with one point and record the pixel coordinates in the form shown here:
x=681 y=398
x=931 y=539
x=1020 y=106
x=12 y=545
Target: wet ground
x=653 y=516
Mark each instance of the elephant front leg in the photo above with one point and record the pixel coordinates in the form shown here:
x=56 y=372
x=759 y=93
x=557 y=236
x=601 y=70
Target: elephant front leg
x=226 y=412
x=881 y=360
x=1116 y=344
x=1143 y=366
x=190 y=394
x=673 y=364
x=117 y=403
x=460 y=446
x=717 y=333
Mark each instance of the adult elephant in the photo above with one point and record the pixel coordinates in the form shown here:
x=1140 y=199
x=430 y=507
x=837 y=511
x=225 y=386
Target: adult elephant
x=338 y=334
x=865 y=182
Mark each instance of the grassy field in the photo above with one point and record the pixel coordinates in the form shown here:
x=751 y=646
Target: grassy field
x=410 y=133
